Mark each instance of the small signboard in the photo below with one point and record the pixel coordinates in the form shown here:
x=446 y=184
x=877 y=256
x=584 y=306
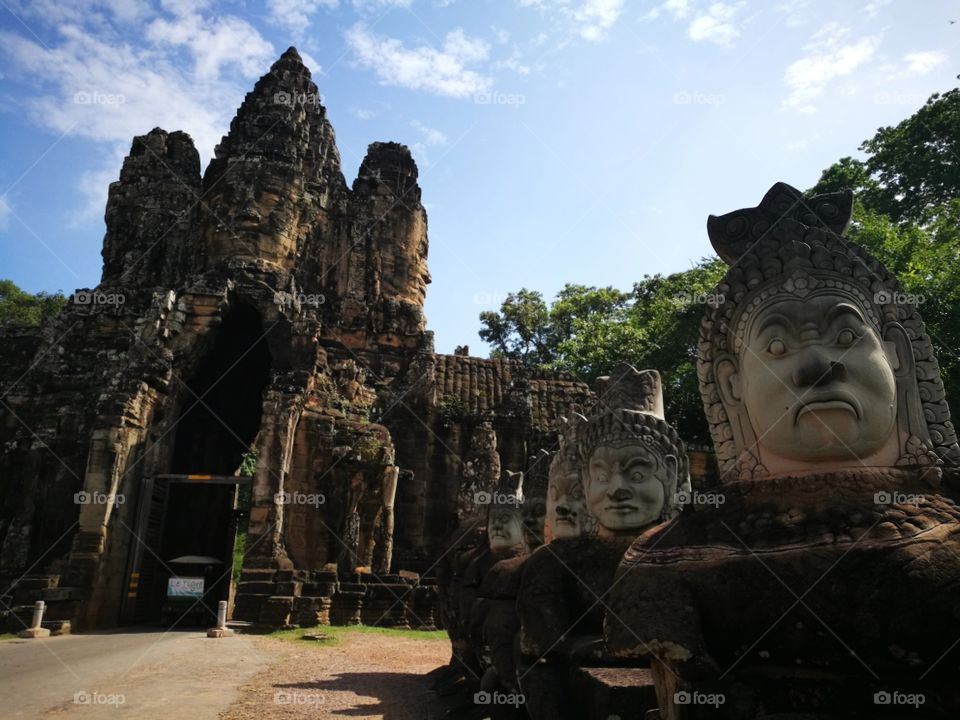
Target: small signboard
x=185 y=587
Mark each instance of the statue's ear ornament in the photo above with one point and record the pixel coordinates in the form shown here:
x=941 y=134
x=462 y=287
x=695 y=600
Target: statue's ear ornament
x=736 y=232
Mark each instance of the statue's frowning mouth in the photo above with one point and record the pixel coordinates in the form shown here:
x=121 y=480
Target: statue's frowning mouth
x=837 y=401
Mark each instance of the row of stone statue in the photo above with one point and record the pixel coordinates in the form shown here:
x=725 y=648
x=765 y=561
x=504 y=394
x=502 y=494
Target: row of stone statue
x=820 y=579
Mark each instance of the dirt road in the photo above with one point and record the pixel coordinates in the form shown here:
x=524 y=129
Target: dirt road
x=366 y=676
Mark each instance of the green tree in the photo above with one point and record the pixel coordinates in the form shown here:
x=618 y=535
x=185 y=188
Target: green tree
x=18 y=307
x=912 y=169
x=589 y=331
x=520 y=330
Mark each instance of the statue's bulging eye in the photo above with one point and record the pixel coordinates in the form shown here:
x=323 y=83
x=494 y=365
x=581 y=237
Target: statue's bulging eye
x=846 y=337
x=776 y=347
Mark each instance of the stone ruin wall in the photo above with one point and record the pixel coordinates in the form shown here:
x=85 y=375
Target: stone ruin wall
x=356 y=399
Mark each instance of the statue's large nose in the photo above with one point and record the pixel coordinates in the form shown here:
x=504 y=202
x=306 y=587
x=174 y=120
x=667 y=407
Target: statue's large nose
x=817 y=370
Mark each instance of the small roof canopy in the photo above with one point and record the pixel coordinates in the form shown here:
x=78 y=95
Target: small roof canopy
x=196 y=560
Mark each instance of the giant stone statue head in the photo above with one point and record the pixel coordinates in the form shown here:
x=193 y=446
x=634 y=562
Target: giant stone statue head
x=633 y=462
x=816 y=359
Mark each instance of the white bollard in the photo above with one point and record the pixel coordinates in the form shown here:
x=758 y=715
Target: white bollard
x=221 y=630
x=36 y=630
x=38 y=609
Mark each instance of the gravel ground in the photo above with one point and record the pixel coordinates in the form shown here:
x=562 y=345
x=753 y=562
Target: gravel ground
x=365 y=676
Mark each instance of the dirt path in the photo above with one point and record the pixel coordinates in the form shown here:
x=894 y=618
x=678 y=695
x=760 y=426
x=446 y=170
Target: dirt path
x=365 y=676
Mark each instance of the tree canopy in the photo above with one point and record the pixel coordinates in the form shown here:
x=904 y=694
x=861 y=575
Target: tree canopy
x=18 y=307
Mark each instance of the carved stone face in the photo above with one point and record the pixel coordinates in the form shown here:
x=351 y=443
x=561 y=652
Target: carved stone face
x=504 y=527
x=817 y=384
x=565 y=503
x=625 y=486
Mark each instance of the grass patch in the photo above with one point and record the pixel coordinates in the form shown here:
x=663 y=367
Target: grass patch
x=7 y=636
x=336 y=632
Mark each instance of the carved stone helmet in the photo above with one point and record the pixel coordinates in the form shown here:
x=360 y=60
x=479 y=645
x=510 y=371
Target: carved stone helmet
x=629 y=411
x=815 y=358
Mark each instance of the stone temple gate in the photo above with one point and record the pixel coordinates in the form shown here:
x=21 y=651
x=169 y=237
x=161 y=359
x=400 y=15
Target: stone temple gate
x=265 y=315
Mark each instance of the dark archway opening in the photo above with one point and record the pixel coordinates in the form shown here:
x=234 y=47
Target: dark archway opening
x=217 y=427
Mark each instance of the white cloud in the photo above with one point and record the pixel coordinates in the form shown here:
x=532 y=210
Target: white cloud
x=596 y=17
x=587 y=19
x=922 y=62
x=829 y=56
x=362 y=113
x=231 y=41
x=294 y=15
x=680 y=9
x=89 y=82
x=377 y=5
x=715 y=24
x=872 y=9
x=796 y=12
x=431 y=136
x=443 y=72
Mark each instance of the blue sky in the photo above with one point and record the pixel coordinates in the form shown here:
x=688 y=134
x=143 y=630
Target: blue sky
x=558 y=140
